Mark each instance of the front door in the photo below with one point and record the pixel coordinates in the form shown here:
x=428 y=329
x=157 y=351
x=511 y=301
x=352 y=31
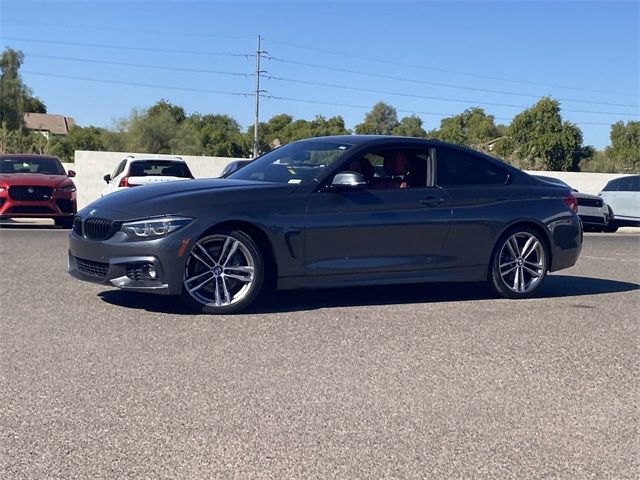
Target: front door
x=398 y=223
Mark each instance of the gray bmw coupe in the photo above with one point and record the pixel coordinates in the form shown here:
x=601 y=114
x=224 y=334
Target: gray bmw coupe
x=328 y=212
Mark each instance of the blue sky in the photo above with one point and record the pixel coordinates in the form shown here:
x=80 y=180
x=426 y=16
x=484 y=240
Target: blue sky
x=497 y=55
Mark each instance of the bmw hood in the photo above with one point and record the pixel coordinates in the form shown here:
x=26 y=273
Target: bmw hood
x=183 y=197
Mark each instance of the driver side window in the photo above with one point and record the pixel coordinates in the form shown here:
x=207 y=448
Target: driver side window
x=397 y=168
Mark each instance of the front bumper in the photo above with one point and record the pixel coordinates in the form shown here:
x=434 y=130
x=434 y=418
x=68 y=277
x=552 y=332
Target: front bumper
x=61 y=204
x=121 y=272
x=118 y=261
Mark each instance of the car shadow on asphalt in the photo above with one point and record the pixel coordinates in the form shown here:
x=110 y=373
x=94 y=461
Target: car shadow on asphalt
x=555 y=286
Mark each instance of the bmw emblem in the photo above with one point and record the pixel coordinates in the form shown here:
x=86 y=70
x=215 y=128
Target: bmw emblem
x=30 y=190
x=92 y=211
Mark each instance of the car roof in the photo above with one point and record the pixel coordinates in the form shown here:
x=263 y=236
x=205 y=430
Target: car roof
x=364 y=139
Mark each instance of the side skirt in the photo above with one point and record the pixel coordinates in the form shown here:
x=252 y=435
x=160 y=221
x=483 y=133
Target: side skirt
x=476 y=273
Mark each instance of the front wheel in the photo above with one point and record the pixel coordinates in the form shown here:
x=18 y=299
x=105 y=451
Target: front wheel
x=519 y=264
x=223 y=273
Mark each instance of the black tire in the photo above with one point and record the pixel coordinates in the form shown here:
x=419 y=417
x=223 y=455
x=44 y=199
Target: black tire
x=196 y=300
x=612 y=226
x=502 y=255
x=64 y=222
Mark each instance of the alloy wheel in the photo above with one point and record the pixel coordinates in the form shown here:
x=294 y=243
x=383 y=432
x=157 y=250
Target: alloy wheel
x=220 y=271
x=522 y=262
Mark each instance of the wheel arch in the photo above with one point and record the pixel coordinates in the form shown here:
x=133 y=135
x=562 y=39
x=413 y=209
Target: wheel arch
x=257 y=235
x=532 y=224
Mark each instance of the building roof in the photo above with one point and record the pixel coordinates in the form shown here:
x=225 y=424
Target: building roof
x=55 y=124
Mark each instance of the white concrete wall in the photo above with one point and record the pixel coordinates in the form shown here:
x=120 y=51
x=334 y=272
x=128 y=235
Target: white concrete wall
x=581 y=181
x=91 y=167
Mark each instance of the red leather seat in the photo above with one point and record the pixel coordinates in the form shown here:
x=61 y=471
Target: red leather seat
x=395 y=166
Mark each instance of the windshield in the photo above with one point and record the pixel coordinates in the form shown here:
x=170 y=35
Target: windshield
x=44 y=165
x=295 y=163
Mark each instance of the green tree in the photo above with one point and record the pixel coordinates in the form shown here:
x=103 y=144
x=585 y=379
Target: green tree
x=216 y=135
x=154 y=130
x=12 y=91
x=270 y=133
x=473 y=128
x=79 y=138
x=318 y=127
x=35 y=105
x=409 y=127
x=282 y=129
x=538 y=138
x=381 y=120
x=15 y=97
x=625 y=147
x=163 y=107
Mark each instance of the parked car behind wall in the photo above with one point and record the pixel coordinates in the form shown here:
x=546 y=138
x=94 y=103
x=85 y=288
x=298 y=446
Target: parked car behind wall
x=623 y=197
x=36 y=186
x=594 y=213
x=136 y=171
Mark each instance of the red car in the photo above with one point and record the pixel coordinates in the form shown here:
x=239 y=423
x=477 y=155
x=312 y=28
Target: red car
x=36 y=186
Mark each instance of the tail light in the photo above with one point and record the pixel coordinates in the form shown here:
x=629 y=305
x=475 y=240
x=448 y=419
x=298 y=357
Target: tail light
x=124 y=182
x=572 y=203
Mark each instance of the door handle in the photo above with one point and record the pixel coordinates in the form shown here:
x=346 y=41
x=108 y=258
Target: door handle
x=432 y=200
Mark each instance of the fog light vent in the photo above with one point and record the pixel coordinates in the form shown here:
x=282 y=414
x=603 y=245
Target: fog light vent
x=149 y=271
x=141 y=271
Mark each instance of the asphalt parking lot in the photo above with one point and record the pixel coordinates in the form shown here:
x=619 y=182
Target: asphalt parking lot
x=427 y=381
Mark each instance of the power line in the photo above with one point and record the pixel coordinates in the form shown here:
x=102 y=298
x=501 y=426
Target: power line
x=454 y=72
x=135 y=30
x=123 y=47
x=368 y=107
x=429 y=97
x=422 y=82
x=139 y=84
x=365 y=107
x=138 y=65
x=247 y=94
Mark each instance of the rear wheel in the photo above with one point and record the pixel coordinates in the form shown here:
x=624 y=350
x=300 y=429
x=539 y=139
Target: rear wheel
x=519 y=264
x=223 y=274
x=64 y=222
x=612 y=226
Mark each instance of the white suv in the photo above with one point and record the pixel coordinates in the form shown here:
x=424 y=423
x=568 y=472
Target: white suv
x=135 y=171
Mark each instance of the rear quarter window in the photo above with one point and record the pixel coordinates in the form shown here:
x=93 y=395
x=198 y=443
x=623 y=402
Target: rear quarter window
x=458 y=168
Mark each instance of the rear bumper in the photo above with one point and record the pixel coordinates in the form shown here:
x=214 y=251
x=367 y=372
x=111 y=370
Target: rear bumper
x=590 y=220
x=566 y=242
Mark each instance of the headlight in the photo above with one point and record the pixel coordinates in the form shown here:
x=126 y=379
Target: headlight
x=69 y=188
x=2 y=189
x=154 y=227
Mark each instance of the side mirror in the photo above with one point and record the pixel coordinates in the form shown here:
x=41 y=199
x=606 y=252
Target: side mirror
x=107 y=178
x=348 y=181
x=71 y=174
